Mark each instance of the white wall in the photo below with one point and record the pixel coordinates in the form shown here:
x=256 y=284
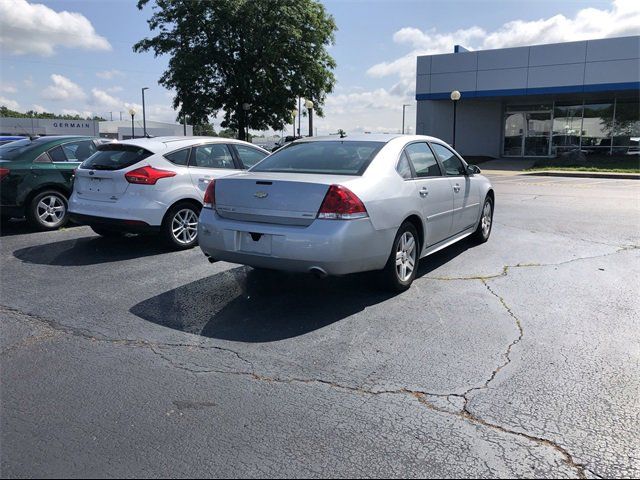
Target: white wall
x=478 y=125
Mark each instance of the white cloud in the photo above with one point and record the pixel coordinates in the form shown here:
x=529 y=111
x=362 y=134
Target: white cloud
x=103 y=99
x=109 y=74
x=83 y=113
x=114 y=89
x=39 y=108
x=31 y=28
x=8 y=88
x=28 y=82
x=623 y=18
x=63 y=89
x=10 y=104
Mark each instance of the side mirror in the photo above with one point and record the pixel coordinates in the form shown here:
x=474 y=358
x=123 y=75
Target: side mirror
x=472 y=169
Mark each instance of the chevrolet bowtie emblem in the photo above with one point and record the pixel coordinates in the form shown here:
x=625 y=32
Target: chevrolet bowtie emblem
x=261 y=194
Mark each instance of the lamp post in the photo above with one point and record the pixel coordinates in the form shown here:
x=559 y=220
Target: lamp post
x=246 y=107
x=404 y=106
x=455 y=96
x=144 y=116
x=294 y=114
x=309 y=105
x=132 y=112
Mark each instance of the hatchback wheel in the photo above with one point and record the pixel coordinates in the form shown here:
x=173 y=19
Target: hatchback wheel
x=180 y=226
x=483 y=231
x=402 y=266
x=47 y=210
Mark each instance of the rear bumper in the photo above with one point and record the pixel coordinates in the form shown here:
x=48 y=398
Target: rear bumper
x=337 y=247
x=116 y=224
x=128 y=208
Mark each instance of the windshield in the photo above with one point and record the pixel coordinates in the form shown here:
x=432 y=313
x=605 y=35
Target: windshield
x=330 y=157
x=115 y=156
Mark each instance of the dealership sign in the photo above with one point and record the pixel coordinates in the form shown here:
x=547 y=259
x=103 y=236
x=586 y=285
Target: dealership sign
x=47 y=126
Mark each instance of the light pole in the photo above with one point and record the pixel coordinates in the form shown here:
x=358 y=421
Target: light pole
x=455 y=96
x=404 y=106
x=132 y=112
x=299 y=114
x=294 y=113
x=309 y=105
x=246 y=107
x=144 y=116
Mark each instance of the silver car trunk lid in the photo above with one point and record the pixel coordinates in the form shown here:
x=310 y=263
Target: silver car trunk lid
x=279 y=198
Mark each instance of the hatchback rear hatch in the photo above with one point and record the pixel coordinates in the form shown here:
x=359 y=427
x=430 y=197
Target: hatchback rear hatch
x=289 y=186
x=101 y=177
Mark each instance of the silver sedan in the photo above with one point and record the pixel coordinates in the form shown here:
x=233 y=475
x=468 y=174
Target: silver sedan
x=334 y=206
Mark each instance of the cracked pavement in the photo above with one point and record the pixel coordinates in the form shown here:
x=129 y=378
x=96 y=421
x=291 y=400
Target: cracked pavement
x=517 y=358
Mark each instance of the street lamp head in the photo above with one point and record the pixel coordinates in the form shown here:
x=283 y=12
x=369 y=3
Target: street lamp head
x=308 y=104
x=246 y=106
x=145 y=88
x=132 y=112
x=455 y=95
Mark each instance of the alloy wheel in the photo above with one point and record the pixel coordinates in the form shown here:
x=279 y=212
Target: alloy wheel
x=51 y=210
x=184 y=226
x=406 y=256
x=486 y=219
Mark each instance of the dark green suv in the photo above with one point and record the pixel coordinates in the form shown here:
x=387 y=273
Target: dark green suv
x=36 y=177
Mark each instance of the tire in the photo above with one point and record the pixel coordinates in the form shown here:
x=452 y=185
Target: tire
x=48 y=210
x=105 y=232
x=402 y=266
x=483 y=232
x=180 y=226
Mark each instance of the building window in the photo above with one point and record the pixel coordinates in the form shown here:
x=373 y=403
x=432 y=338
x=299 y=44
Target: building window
x=567 y=127
x=626 y=126
x=597 y=127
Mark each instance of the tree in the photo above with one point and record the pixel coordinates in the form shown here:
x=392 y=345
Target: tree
x=226 y=53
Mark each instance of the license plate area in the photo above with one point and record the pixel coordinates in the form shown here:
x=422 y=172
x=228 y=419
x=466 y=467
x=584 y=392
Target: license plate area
x=97 y=185
x=252 y=242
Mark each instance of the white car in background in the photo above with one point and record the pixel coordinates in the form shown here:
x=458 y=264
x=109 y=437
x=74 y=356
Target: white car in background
x=156 y=184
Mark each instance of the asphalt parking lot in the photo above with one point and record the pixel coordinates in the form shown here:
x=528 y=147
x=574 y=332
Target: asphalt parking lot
x=520 y=357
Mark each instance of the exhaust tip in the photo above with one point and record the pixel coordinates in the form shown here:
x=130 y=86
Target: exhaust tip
x=318 y=272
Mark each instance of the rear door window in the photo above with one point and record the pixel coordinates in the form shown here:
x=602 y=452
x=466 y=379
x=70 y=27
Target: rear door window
x=57 y=154
x=115 y=156
x=423 y=160
x=214 y=155
x=249 y=156
x=78 y=151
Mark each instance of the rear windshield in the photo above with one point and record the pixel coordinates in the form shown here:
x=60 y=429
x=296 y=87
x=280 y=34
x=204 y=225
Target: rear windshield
x=331 y=157
x=115 y=156
x=12 y=150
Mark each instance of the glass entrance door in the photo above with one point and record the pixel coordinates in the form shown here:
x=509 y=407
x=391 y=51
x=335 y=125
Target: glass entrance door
x=527 y=134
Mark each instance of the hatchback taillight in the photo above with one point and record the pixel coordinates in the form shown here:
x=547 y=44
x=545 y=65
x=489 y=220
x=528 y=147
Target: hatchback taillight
x=147 y=175
x=210 y=195
x=4 y=172
x=340 y=203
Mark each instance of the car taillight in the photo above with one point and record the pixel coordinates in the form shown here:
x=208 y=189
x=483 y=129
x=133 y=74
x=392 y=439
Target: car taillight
x=210 y=195
x=147 y=175
x=4 y=172
x=340 y=203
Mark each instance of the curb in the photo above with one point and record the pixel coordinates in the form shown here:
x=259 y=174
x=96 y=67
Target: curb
x=562 y=173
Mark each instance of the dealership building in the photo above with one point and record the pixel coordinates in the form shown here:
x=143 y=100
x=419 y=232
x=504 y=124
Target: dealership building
x=537 y=101
x=119 y=130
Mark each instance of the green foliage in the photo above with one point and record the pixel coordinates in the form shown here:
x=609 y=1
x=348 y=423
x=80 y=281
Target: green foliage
x=204 y=130
x=5 y=112
x=225 y=53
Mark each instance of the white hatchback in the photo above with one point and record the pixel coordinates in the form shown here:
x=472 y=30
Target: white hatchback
x=157 y=184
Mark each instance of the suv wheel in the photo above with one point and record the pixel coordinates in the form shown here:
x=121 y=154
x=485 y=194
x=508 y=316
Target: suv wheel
x=47 y=210
x=180 y=226
x=402 y=266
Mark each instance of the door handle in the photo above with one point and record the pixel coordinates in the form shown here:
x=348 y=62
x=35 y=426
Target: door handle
x=456 y=188
x=424 y=192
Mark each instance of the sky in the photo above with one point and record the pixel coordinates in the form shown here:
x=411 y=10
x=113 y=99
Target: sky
x=76 y=57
